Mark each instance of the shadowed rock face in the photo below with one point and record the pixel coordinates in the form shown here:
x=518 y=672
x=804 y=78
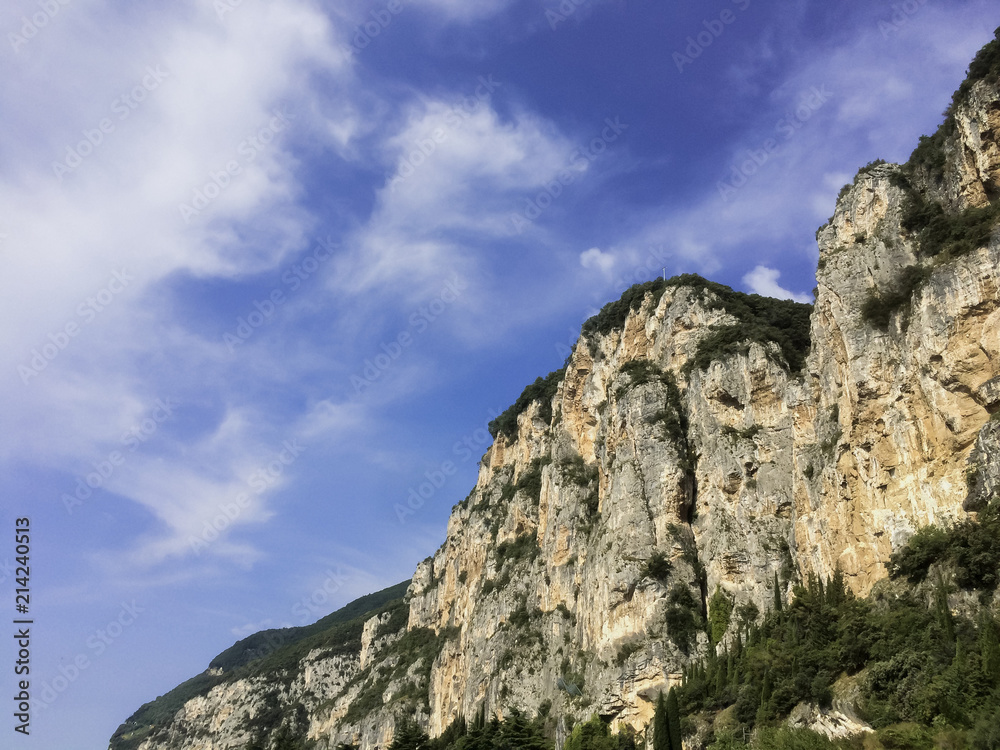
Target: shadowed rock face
x=578 y=569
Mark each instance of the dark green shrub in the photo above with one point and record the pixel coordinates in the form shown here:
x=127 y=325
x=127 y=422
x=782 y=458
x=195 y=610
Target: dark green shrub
x=949 y=234
x=929 y=155
x=577 y=471
x=542 y=390
x=683 y=617
x=986 y=64
x=657 y=567
x=924 y=548
x=720 y=611
x=761 y=320
x=523 y=547
x=878 y=308
x=746 y=434
x=972 y=547
x=641 y=371
x=868 y=168
x=625 y=651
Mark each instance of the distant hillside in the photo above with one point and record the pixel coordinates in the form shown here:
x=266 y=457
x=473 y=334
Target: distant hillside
x=263 y=653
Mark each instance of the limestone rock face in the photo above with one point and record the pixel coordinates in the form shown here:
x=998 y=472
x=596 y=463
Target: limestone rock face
x=828 y=722
x=973 y=157
x=577 y=572
x=896 y=411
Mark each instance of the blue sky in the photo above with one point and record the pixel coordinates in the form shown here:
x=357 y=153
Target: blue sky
x=268 y=267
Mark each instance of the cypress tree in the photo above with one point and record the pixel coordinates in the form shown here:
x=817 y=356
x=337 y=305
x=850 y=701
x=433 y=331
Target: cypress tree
x=517 y=733
x=989 y=647
x=943 y=611
x=721 y=678
x=836 y=592
x=673 y=720
x=777 y=593
x=409 y=736
x=661 y=729
x=476 y=738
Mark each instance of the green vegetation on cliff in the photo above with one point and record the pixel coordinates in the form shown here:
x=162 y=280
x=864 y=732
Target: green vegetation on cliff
x=926 y=673
x=325 y=631
x=759 y=319
x=929 y=155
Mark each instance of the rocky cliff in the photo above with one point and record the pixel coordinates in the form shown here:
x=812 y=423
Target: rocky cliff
x=700 y=446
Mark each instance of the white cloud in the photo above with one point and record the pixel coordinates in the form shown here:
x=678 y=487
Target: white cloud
x=157 y=107
x=595 y=258
x=457 y=174
x=763 y=280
